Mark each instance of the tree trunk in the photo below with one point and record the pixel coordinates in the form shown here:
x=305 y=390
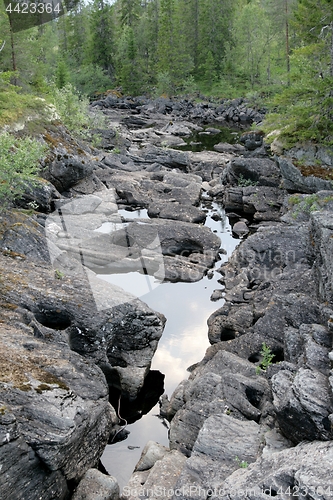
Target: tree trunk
x=287 y=43
x=13 y=55
x=331 y=68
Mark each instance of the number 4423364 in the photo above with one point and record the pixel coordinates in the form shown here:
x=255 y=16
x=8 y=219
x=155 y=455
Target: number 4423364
x=304 y=491
x=33 y=8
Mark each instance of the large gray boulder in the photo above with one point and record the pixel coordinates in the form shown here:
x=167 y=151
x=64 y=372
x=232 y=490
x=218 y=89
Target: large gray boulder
x=55 y=416
x=96 y=486
x=294 y=181
x=223 y=445
x=66 y=170
x=303 y=403
x=255 y=171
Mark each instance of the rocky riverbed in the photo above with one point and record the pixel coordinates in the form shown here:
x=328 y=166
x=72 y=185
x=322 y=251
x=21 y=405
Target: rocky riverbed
x=254 y=418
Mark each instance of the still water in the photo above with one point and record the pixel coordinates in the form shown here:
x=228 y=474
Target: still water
x=187 y=307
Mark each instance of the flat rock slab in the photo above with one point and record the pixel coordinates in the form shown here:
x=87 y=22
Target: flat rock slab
x=223 y=444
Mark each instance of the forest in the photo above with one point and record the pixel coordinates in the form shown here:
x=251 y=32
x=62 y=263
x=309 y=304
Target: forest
x=276 y=52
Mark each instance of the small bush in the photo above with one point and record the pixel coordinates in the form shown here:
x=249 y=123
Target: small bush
x=71 y=107
x=243 y=182
x=267 y=358
x=19 y=162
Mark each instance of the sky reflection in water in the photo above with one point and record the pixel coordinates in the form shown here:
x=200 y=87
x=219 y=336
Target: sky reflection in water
x=187 y=307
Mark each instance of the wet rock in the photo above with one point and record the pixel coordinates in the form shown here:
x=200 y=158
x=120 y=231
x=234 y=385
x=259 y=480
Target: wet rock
x=96 y=486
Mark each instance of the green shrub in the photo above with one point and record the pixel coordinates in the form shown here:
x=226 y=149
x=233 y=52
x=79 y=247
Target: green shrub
x=74 y=113
x=90 y=79
x=243 y=182
x=71 y=107
x=19 y=163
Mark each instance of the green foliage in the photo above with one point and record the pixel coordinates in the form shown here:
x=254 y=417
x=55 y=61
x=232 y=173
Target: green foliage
x=15 y=105
x=90 y=79
x=59 y=275
x=71 y=107
x=306 y=204
x=18 y=164
x=164 y=85
x=267 y=358
x=241 y=181
x=241 y=463
x=62 y=74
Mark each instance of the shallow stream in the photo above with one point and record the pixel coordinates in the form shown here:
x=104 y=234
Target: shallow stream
x=187 y=307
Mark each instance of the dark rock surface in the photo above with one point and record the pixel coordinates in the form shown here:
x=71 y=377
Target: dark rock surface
x=241 y=422
x=265 y=384
x=258 y=171
x=55 y=414
x=294 y=181
x=234 y=112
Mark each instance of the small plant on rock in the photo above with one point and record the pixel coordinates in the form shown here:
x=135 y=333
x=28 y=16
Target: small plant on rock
x=59 y=275
x=267 y=358
x=242 y=182
x=241 y=463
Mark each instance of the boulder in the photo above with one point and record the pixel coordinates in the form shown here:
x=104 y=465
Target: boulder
x=294 y=181
x=66 y=170
x=38 y=195
x=303 y=405
x=252 y=171
x=252 y=140
x=304 y=468
x=96 y=486
x=55 y=414
x=224 y=444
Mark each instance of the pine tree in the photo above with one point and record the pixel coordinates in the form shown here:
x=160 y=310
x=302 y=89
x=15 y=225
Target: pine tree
x=101 y=32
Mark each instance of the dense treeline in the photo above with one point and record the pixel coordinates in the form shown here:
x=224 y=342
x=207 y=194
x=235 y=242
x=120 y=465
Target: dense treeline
x=224 y=48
